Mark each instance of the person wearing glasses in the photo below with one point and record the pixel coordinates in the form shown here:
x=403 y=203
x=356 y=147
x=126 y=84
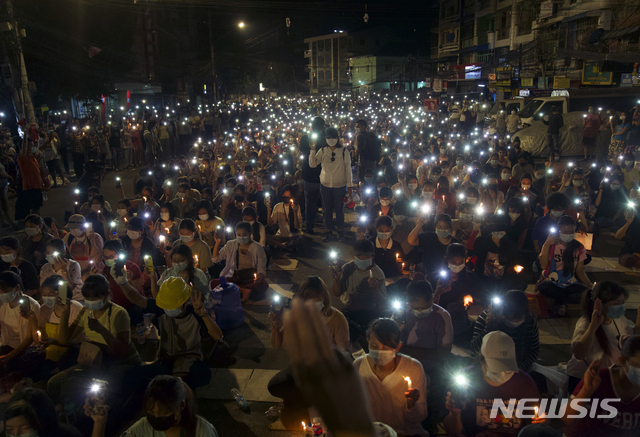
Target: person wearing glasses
x=335 y=180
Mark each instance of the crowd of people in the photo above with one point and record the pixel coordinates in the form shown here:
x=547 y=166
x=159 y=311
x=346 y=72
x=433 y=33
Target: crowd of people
x=453 y=225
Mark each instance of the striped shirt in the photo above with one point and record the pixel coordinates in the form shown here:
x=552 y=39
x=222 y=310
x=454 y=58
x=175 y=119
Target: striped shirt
x=524 y=336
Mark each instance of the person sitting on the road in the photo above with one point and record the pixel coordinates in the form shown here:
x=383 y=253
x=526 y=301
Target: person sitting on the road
x=427 y=332
x=124 y=214
x=463 y=225
x=630 y=235
x=85 y=209
x=33 y=247
x=85 y=246
x=258 y=232
x=288 y=216
x=510 y=314
x=181 y=314
x=12 y=261
x=139 y=247
x=384 y=206
x=432 y=244
x=245 y=263
x=182 y=266
x=167 y=225
x=383 y=371
x=517 y=230
x=360 y=285
x=184 y=204
x=388 y=252
x=59 y=263
x=619 y=381
x=170 y=408
x=562 y=260
x=611 y=203
x=598 y=331
x=15 y=314
x=496 y=377
x=208 y=222
x=113 y=252
x=557 y=204
x=200 y=249
x=99 y=217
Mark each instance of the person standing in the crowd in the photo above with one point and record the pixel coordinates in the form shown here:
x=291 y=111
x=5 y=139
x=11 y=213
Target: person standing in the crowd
x=555 y=123
x=367 y=149
x=513 y=121
x=311 y=175
x=590 y=128
x=336 y=180
x=32 y=185
x=619 y=139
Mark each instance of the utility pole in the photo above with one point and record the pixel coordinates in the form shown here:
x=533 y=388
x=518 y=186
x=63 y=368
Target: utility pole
x=213 y=69
x=23 y=93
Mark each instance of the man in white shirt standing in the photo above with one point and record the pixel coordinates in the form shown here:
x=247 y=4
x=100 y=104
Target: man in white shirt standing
x=335 y=179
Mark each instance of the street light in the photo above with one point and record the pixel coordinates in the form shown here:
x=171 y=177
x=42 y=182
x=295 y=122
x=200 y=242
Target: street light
x=241 y=24
x=212 y=43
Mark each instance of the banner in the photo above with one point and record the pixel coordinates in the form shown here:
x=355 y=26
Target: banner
x=437 y=85
x=526 y=81
x=431 y=105
x=626 y=80
x=561 y=82
x=591 y=74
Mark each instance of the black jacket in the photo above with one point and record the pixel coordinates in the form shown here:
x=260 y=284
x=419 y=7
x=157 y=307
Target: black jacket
x=556 y=121
x=311 y=175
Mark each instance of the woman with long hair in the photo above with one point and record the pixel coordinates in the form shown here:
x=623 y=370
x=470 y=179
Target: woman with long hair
x=31 y=412
x=170 y=409
x=598 y=331
x=60 y=263
x=182 y=266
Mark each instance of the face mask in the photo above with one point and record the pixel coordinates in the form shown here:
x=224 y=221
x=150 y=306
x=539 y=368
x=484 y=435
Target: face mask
x=505 y=176
x=615 y=187
x=590 y=111
x=472 y=200
x=556 y=158
x=122 y=212
x=513 y=112
x=332 y=142
x=634 y=375
x=384 y=202
x=110 y=262
x=567 y=238
x=629 y=164
x=494 y=162
x=182 y=195
x=94 y=305
x=427 y=194
x=161 y=423
x=539 y=176
x=363 y=264
x=466 y=217
x=381 y=358
x=357 y=131
x=77 y=232
x=180 y=266
x=8 y=258
x=8 y=297
x=498 y=235
x=526 y=187
x=32 y=231
x=243 y=240
x=186 y=238
x=96 y=208
x=49 y=301
x=511 y=324
x=623 y=118
x=422 y=314
x=459 y=163
x=368 y=180
x=456 y=269
x=134 y=235
x=29 y=434
x=384 y=235
x=556 y=213
x=442 y=233
x=413 y=186
x=173 y=313
x=33 y=150
x=203 y=217
x=499 y=377
x=577 y=183
x=514 y=215
x=319 y=305
x=615 y=311
x=165 y=216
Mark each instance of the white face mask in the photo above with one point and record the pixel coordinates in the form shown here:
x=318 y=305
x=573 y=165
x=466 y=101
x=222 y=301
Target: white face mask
x=384 y=235
x=633 y=374
x=505 y=176
x=186 y=238
x=556 y=213
x=94 y=305
x=181 y=195
x=381 y=357
x=49 y=301
x=203 y=217
x=96 y=208
x=32 y=232
x=577 y=183
x=423 y=314
x=499 y=377
x=466 y=217
x=77 y=233
x=121 y=212
x=173 y=313
x=384 y=202
x=8 y=297
x=514 y=215
x=165 y=216
x=332 y=142
x=134 y=235
x=498 y=235
x=511 y=324
x=427 y=194
x=8 y=258
x=180 y=266
x=472 y=200
x=413 y=186
x=567 y=238
x=456 y=269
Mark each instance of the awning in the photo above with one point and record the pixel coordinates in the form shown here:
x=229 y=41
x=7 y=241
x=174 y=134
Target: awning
x=582 y=15
x=617 y=33
x=472 y=49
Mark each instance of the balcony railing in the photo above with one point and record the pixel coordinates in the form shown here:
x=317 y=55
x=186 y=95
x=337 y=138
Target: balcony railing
x=503 y=33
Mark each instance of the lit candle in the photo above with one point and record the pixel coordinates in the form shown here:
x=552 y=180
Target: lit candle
x=402 y=266
x=535 y=410
x=195 y=257
x=166 y=230
x=468 y=300
x=255 y=276
x=379 y=213
x=397 y=255
x=406 y=378
x=39 y=336
x=518 y=269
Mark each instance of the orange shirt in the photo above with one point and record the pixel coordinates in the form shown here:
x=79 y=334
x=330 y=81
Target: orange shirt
x=30 y=172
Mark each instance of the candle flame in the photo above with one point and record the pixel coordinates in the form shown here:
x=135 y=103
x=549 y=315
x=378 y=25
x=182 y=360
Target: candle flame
x=518 y=269
x=468 y=300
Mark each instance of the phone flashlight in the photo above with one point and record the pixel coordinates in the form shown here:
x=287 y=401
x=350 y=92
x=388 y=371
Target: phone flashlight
x=397 y=305
x=461 y=380
x=496 y=300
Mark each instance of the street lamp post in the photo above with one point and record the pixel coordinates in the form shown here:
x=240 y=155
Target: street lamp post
x=213 y=65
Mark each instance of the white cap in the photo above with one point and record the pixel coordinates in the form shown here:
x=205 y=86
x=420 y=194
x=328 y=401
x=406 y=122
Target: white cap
x=499 y=352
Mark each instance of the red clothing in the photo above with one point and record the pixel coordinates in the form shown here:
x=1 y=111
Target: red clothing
x=591 y=126
x=117 y=295
x=625 y=424
x=30 y=172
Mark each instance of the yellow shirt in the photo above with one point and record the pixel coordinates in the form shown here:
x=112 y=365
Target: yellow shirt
x=630 y=177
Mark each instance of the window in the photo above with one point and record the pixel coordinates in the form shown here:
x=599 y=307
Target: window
x=321 y=45
x=320 y=60
x=321 y=75
x=358 y=69
x=327 y=44
x=367 y=69
x=387 y=67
